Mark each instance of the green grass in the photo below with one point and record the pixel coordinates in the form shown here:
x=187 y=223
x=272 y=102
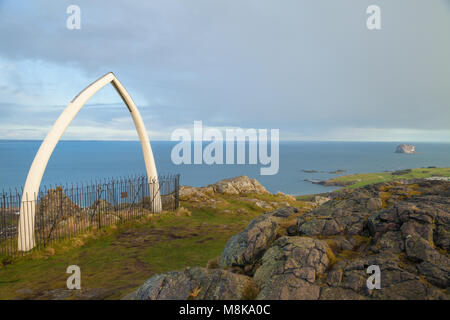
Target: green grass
x=370 y=178
x=359 y=180
x=119 y=259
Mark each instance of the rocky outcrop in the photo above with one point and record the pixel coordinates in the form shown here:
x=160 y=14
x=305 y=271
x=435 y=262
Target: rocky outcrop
x=333 y=182
x=405 y=148
x=319 y=200
x=197 y=283
x=56 y=206
x=398 y=281
x=238 y=185
x=340 y=216
x=246 y=247
x=420 y=230
x=296 y=261
x=401 y=227
x=241 y=185
x=338 y=171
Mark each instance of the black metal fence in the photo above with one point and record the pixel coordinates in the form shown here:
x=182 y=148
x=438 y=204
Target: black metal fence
x=65 y=211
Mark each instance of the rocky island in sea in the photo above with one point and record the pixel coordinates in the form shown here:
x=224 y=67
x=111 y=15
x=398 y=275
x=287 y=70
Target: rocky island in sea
x=405 y=148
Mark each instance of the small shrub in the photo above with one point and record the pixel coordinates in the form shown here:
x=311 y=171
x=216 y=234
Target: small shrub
x=401 y=172
x=241 y=211
x=49 y=251
x=213 y=263
x=183 y=212
x=77 y=242
x=250 y=291
x=6 y=261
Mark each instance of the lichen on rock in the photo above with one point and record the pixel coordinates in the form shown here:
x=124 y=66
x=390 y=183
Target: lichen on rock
x=196 y=284
x=402 y=227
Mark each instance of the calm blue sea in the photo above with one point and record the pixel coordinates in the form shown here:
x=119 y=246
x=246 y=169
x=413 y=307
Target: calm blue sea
x=77 y=161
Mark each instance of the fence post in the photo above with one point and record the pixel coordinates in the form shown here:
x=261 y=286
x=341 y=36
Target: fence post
x=99 y=205
x=177 y=191
x=61 y=208
x=143 y=182
x=4 y=227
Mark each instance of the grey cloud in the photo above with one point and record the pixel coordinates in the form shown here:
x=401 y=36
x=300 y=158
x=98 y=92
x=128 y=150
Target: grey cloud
x=301 y=66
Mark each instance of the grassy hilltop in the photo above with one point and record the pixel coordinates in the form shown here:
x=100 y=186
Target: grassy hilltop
x=362 y=179
x=116 y=260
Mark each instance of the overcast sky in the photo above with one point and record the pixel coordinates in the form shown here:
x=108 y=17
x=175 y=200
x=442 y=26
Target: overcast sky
x=309 y=68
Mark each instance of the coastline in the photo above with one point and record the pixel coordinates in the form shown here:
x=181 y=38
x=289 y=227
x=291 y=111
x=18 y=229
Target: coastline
x=359 y=180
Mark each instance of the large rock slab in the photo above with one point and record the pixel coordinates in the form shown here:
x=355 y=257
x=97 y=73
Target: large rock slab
x=246 y=247
x=328 y=293
x=239 y=185
x=332 y=221
x=196 y=283
x=207 y=196
x=398 y=282
x=345 y=214
x=418 y=229
x=290 y=267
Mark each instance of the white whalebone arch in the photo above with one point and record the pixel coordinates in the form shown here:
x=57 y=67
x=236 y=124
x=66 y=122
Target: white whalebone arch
x=26 y=239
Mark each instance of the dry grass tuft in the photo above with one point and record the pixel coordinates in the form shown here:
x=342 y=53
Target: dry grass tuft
x=183 y=212
x=330 y=255
x=250 y=291
x=213 y=263
x=194 y=293
x=49 y=251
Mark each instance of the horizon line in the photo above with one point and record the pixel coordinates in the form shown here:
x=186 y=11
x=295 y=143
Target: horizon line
x=281 y=140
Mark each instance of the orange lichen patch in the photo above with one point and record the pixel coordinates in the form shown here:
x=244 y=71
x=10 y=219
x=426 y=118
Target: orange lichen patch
x=330 y=256
x=347 y=255
x=387 y=192
x=412 y=190
x=425 y=281
x=384 y=196
x=194 y=293
x=361 y=240
x=322 y=279
x=332 y=244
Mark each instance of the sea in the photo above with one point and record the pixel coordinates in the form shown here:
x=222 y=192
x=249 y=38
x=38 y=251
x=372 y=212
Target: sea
x=88 y=161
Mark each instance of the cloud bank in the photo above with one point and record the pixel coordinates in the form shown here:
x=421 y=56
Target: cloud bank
x=309 y=68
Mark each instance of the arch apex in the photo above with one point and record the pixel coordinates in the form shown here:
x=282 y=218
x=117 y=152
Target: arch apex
x=26 y=239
